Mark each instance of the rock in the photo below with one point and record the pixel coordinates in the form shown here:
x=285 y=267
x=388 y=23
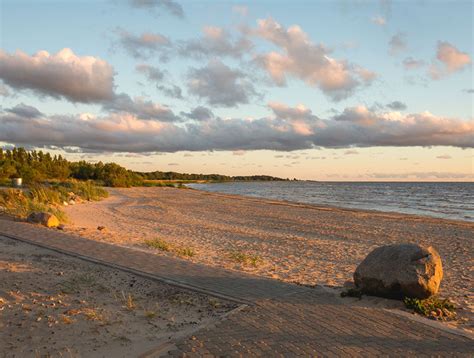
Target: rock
x=100 y=228
x=61 y=227
x=72 y=202
x=402 y=270
x=65 y=203
x=46 y=219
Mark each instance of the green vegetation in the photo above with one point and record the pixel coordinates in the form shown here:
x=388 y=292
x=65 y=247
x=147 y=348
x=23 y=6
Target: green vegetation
x=165 y=246
x=352 y=292
x=37 y=166
x=48 y=197
x=245 y=259
x=433 y=307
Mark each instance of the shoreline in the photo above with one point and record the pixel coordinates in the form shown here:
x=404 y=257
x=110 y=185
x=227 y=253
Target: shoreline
x=292 y=242
x=334 y=207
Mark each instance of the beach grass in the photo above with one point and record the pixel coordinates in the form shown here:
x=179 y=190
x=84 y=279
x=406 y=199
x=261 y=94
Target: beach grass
x=165 y=246
x=245 y=258
x=47 y=197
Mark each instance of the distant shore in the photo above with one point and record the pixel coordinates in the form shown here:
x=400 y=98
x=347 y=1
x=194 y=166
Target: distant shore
x=293 y=242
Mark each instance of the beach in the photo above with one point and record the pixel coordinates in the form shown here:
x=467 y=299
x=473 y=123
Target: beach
x=53 y=305
x=304 y=244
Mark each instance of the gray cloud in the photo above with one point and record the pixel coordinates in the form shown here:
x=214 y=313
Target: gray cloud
x=397 y=44
x=152 y=74
x=63 y=75
x=168 y=5
x=159 y=78
x=145 y=45
x=215 y=42
x=397 y=106
x=287 y=129
x=299 y=57
x=412 y=64
x=220 y=85
x=199 y=113
x=122 y=103
x=469 y=90
x=24 y=110
x=172 y=91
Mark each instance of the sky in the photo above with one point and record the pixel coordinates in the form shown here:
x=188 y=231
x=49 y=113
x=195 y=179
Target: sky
x=320 y=90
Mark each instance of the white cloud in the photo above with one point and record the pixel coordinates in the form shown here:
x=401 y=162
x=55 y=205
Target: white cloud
x=448 y=60
x=242 y=10
x=301 y=58
x=379 y=20
x=78 y=79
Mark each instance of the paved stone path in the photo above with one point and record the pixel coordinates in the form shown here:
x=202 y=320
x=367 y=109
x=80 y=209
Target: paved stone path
x=280 y=320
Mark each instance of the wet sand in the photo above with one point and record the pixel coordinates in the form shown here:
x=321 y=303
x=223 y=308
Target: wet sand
x=287 y=241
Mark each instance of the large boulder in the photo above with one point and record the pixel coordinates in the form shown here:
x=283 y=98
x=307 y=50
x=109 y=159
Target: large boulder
x=403 y=270
x=43 y=218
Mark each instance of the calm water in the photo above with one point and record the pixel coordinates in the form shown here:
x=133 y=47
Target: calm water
x=444 y=200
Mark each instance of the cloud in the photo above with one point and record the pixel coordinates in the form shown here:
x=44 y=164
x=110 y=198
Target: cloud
x=63 y=75
x=242 y=10
x=448 y=61
x=4 y=92
x=469 y=90
x=379 y=20
x=24 y=110
x=444 y=156
x=172 y=91
x=122 y=103
x=157 y=76
x=239 y=152
x=215 y=42
x=168 y=5
x=351 y=152
x=397 y=106
x=145 y=45
x=397 y=44
x=220 y=85
x=286 y=129
x=152 y=74
x=199 y=113
x=300 y=58
x=412 y=64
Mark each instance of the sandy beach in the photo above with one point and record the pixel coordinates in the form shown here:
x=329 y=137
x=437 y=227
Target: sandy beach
x=287 y=241
x=52 y=305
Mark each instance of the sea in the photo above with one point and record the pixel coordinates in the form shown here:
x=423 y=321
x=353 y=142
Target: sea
x=439 y=200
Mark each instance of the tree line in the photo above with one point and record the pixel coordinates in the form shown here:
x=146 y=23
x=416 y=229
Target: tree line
x=36 y=166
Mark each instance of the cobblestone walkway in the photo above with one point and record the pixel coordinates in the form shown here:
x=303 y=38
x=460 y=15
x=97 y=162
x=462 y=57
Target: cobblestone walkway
x=280 y=320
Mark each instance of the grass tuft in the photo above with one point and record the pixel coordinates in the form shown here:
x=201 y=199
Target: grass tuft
x=245 y=259
x=165 y=246
x=433 y=307
x=352 y=292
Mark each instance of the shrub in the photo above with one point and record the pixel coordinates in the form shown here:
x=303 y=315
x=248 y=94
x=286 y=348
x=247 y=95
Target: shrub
x=158 y=244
